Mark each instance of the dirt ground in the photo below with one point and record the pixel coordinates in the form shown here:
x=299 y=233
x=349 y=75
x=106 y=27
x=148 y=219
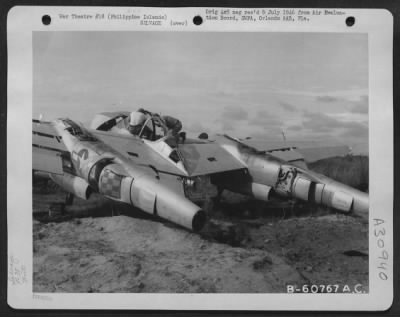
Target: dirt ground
x=99 y=250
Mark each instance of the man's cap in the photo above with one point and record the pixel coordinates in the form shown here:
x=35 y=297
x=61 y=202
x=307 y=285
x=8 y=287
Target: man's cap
x=137 y=118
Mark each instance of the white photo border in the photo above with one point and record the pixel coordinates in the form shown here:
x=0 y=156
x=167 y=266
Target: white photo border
x=23 y=21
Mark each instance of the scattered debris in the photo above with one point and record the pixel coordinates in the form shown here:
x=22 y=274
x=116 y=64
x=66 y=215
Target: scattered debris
x=263 y=263
x=308 y=268
x=355 y=253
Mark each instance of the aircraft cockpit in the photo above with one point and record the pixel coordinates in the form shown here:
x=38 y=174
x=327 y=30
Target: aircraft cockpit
x=79 y=132
x=152 y=132
x=153 y=129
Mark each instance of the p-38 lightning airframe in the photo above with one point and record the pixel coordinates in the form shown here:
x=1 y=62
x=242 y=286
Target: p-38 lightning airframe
x=175 y=183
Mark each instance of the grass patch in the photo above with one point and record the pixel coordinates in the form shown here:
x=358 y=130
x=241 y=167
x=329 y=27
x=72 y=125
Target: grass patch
x=352 y=170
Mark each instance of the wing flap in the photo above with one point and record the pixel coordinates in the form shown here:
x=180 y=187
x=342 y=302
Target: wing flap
x=47 y=143
x=311 y=150
x=46 y=161
x=207 y=158
x=47 y=147
x=199 y=158
x=45 y=136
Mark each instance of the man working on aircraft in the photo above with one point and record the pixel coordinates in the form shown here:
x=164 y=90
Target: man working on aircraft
x=170 y=125
x=173 y=126
x=137 y=120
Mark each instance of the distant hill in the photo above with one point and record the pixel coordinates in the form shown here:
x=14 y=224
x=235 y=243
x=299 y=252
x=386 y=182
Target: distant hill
x=352 y=170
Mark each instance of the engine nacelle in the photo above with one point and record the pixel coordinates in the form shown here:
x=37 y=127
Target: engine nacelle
x=288 y=180
x=102 y=169
x=319 y=189
x=73 y=184
x=157 y=199
x=145 y=191
x=339 y=196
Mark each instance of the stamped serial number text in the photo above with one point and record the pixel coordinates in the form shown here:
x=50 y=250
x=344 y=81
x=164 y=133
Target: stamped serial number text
x=330 y=288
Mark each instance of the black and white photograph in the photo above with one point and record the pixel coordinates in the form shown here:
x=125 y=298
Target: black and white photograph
x=201 y=162
x=205 y=132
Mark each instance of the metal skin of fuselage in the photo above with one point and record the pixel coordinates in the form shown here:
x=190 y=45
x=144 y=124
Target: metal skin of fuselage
x=267 y=173
x=264 y=173
x=142 y=173
x=98 y=167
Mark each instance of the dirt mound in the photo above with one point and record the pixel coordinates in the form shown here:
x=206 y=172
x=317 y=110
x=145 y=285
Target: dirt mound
x=324 y=250
x=123 y=254
x=245 y=248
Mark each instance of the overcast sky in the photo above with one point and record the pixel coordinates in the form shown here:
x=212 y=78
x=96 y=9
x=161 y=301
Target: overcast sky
x=309 y=85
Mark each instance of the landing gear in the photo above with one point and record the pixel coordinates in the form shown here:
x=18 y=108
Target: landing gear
x=69 y=199
x=257 y=209
x=208 y=206
x=115 y=209
x=217 y=199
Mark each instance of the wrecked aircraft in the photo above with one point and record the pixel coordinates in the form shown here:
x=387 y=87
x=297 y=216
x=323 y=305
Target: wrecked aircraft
x=178 y=184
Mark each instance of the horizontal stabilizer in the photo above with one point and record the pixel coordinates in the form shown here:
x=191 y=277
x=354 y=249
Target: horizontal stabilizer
x=311 y=151
x=47 y=147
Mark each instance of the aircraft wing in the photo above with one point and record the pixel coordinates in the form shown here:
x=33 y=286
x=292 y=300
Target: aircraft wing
x=200 y=158
x=310 y=150
x=207 y=158
x=136 y=151
x=47 y=148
